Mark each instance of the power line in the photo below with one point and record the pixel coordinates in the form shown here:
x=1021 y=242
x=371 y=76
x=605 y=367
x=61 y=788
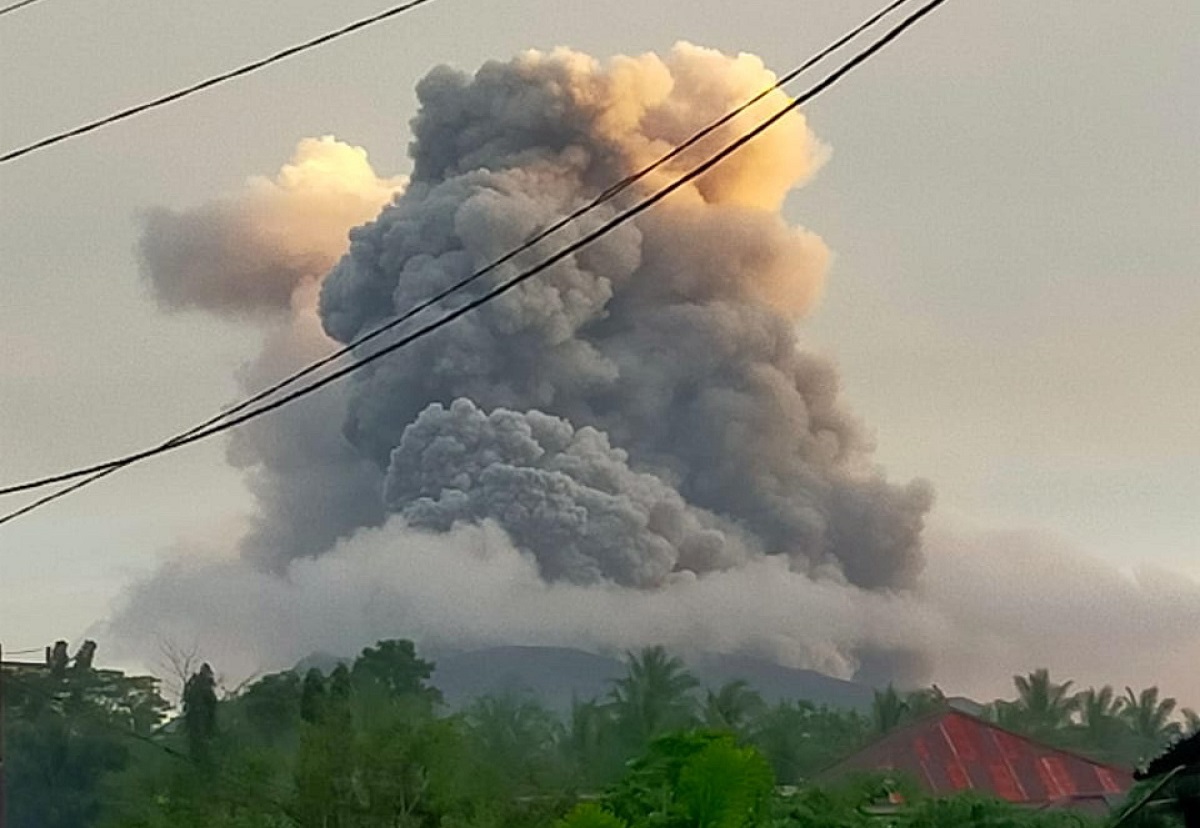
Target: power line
x=215 y=80
x=79 y=484
x=203 y=432
x=12 y=7
x=200 y=433
x=607 y=195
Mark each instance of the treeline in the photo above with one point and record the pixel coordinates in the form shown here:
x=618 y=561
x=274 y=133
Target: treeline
x=1121 y=728
x=370 y=744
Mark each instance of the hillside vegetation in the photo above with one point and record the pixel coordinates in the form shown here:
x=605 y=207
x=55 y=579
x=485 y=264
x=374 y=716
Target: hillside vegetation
x=371 y=743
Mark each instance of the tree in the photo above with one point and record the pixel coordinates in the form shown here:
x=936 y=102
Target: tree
x=393 y=667
x=200 y=711
x=1098 y=708
x=340 y=686
x=654 y=696
x=725 y=786
x=799 y=738
x=733 y=707
x=1101 y=731
x=591 y=745
x=324 y=772
x=972 y=810
x=68 y=727
x=889 y=709
x=698 y=779
x=1043 y=708
x=71 y=685
x=590 y=815
x=1191 y=721
x=272 y=704
x=313 y=697
x=176 y=664
x=55 y=764
x=1149 y=720
x=515 y=738
x=391 y=763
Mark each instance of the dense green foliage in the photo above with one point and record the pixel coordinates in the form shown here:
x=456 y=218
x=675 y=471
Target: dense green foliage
x=1126 y=729
x=67 y=726
x=371 y=744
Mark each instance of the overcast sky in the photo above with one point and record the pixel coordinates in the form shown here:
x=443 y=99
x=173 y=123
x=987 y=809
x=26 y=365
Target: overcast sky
x=1013 y=202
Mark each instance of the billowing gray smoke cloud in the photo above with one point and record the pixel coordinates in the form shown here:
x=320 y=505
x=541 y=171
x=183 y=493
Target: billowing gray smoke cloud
x=638 y=422
x=989 y=606
x=565 y=495
x=250 y=255
x=628 y=450
x=261 y=255
x=674 y=340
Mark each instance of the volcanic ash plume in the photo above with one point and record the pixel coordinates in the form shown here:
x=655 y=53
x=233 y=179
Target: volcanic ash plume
x=260 y=257
x=251 y=254
x=673 y=340
x=635 y=417
x=566 y=496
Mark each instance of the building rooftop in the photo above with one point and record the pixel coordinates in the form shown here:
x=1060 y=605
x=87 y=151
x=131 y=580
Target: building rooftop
x=952 y=751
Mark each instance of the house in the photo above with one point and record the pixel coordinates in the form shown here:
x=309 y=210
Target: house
x=952 y=751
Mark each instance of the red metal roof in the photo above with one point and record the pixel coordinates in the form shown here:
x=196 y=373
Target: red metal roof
x=952 y=751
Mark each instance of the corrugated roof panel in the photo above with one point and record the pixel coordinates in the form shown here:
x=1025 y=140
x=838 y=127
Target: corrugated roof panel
x=1008 y=743
x=961 y=737
x=1109 y=782
x=1032 y=776
x=1055 y=777
x=1003 y=782
x=953 y=751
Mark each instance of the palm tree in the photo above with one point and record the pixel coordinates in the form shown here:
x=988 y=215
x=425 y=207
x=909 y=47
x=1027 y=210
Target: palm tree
x=889 y=709
x=516 y=734
x=654 y=696
x=1098 y=707
x=733 y=707
x=799 y=739
x=1042 y=708
x=1191 y=721
x=1101 y=729
x=1149 y=718
x=590 y=746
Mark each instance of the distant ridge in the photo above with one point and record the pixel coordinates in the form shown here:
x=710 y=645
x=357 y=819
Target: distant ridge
x=776 y=682
x=557 y=675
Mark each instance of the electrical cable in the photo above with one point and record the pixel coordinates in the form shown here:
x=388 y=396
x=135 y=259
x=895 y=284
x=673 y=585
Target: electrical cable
x=607 y=195
x=215 y=80
x=201 y=433
x=12 y=7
